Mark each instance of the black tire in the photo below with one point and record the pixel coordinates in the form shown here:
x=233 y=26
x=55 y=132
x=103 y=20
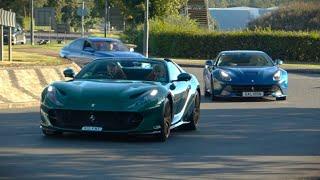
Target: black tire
x=194 y=118
x=281 y=98
x=166 y=122
x=51 y=133
x=213 y=97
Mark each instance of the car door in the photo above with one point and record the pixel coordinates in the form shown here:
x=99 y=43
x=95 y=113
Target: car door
x=87 y=52
x=179 y=89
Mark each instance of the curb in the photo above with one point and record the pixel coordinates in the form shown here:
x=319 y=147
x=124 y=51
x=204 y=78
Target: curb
x=289 y=70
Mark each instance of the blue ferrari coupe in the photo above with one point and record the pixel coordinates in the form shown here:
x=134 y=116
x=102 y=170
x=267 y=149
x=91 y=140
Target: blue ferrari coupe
x=245 y=74
x=85 y=50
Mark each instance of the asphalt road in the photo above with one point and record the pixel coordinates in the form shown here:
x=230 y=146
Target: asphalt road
x=256 y=139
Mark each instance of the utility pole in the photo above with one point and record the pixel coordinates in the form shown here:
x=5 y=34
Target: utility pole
x=31 y=24
x=82 y=19
x=106 y=18
x=146 y=30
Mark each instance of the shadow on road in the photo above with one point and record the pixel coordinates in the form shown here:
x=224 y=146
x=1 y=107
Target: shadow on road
x=229 y=143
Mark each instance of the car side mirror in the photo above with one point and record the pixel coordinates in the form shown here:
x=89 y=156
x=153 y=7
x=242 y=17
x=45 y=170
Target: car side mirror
x=184 y=77
x=89 y=49
x=278 y=62
x=68 y=72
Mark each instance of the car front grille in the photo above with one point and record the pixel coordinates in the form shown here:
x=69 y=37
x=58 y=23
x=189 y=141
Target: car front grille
x=76 y=119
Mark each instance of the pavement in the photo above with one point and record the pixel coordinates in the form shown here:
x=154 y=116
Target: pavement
x=253 y=139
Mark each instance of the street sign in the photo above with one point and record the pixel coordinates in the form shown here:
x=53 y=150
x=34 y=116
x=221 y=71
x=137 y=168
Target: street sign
x=85 y=11
x=7 y=18
x=44 y=16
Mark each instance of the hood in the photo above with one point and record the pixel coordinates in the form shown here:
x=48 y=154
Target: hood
x=119 y=54
x=104 y=94
x=251 y=75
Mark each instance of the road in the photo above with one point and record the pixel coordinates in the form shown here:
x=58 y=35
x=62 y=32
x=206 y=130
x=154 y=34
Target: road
x=260 y=139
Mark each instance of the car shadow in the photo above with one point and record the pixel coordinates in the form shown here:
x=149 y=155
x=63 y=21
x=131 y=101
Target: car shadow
x=207 y=99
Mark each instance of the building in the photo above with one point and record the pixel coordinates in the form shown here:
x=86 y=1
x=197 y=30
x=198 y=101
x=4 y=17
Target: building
x=236 y=18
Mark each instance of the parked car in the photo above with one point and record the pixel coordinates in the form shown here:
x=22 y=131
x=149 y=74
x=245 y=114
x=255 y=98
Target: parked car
x=18 y=35
x=245 y=74
x=126 y=95
x=84 y=50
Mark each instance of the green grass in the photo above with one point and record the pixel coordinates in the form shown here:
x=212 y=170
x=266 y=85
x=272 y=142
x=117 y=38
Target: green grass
x=21 y=58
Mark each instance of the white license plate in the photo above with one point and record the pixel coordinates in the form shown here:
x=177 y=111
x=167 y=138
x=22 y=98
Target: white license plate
x=91 y=128
x=252 y=94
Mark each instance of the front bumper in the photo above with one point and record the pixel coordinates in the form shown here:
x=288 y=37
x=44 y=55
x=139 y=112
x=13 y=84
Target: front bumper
x=65 y=120
x=224 y=89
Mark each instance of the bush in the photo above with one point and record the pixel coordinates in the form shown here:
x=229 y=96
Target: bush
x=294 y=17
x=289 y=46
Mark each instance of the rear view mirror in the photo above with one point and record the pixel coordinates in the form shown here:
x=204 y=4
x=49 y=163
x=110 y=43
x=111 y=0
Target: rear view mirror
x=68 y=72
x=184 y=77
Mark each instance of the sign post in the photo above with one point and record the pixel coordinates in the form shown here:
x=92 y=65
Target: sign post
x=8 y=19
x=146 y=30
x=1 y=42
x=10 y=44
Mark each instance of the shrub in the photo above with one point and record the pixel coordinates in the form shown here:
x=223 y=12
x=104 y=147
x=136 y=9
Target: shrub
x=294 y=17
x=289 y=46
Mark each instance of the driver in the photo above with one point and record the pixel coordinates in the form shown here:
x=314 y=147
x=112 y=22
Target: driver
x=115 y=72
x=157 y=74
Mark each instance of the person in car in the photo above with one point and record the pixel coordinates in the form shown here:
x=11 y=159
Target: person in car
x=114 y=71
x=157 y=74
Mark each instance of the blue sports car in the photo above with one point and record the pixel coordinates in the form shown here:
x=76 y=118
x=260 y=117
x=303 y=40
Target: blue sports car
x=85 y=50
x=245 y=74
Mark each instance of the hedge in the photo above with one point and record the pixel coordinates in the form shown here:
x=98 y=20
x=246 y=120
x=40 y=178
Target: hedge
x=288 y=46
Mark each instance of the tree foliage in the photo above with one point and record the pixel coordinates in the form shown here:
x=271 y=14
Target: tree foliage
x=253 y=3
x=297 y=16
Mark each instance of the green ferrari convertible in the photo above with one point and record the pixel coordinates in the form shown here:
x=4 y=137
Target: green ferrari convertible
x=131 y=96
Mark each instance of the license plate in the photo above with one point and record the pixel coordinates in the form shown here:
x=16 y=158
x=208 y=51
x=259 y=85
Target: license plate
x=252 y=94
x=91 y=128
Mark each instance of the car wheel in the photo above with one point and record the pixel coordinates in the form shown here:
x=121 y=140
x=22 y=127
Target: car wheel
x=50 y=133
x=166 y=122
x=281 y=98
x=194 y=118
x=213 y=97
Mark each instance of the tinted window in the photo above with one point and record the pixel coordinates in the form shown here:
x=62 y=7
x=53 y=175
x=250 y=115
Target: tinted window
x=244 y=59
x=173 y=71
x=136 y=70
x=76 y=45
x=109 y=46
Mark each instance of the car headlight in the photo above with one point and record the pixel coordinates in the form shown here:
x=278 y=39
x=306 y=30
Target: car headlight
x=225 y=76
x=154 y=92
x=277 y=76
x=52 y=95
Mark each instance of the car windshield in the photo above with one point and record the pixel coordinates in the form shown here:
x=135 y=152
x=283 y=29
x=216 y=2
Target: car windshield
x=109 y=46
x=244 y=59
x=136 y=70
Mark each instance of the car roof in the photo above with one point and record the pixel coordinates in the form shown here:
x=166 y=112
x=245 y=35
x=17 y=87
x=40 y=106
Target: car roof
x=242 y=51
x=96 y=39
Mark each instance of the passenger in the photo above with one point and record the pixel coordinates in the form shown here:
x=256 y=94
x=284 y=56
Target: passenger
x=115 y=72
x=157 y=74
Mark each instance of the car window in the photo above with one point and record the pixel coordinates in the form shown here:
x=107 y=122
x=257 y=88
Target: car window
x=76 y=45
x=173 y=71
x=136 y=70
x=109 y=46
x=87 y=44
x=244 y=59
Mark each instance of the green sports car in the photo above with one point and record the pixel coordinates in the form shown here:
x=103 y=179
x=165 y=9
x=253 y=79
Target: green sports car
x=131 y=96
